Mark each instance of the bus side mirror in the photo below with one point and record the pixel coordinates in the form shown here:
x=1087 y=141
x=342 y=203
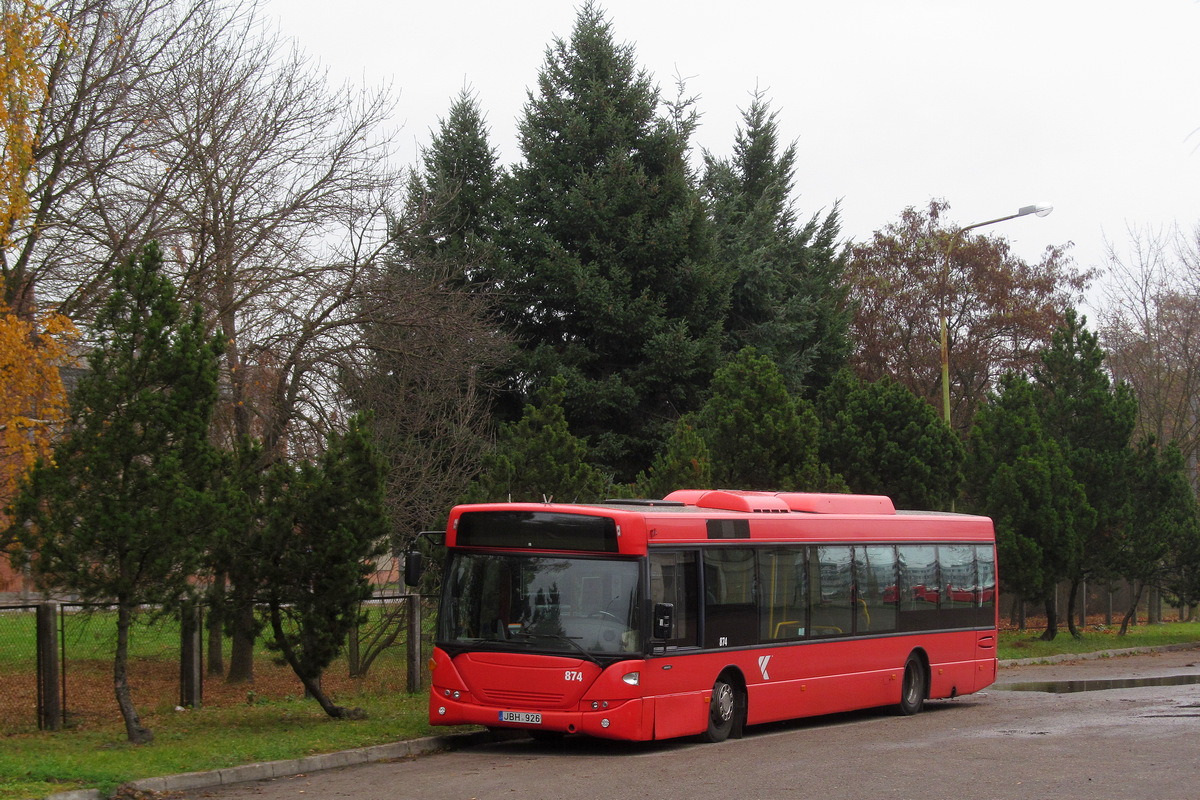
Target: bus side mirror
x=412 y=568
x=664 y=618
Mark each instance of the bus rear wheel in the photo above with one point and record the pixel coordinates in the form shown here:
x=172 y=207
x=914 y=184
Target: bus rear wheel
x=912 y=691
x=721 y=710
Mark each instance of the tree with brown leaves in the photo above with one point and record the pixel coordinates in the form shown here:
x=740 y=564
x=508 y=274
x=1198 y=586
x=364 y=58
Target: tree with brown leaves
x=1000 y=310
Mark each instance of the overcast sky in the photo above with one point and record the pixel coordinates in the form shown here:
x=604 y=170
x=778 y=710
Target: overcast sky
x=1093 y=106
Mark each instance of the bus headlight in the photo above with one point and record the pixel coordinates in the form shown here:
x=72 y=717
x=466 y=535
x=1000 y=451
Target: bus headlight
x=632 y=678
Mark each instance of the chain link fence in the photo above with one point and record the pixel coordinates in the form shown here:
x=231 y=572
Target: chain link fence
x=18 y=668
x=374 y=661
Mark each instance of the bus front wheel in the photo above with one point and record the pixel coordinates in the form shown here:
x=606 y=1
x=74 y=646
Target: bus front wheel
x=722 y=709
x=912 y=691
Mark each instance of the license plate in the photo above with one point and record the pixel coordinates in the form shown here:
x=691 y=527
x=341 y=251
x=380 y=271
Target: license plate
x=523 y=717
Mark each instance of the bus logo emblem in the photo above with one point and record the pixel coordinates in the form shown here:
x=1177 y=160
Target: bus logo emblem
x=763 y=661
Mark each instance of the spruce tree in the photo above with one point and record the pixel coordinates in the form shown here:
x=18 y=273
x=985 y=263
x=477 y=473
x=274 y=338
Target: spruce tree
x=451 y=211
x=124 y=511
x=612 y=282
x=788 y=295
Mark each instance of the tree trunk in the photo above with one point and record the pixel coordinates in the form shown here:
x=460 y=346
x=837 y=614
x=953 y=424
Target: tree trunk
x=1051 y=603
x=312 y=684
x=1083 y=605
x=352 y=652
x=133 y=725
x=1135 y=595
x=1154 y=612
x=241 y=654
x=1071 y=626
x=215 y=626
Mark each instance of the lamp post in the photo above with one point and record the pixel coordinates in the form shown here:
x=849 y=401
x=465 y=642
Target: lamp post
x=1041 y=210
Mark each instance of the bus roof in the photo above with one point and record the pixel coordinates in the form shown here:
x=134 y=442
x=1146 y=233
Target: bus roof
x=705 y=516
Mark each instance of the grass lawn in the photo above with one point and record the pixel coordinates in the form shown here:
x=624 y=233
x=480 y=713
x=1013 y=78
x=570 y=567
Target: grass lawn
x=36 y=764
x=1026 y=644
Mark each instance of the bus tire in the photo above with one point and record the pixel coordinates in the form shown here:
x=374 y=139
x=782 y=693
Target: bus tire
x=722 y=710
x=913 y=689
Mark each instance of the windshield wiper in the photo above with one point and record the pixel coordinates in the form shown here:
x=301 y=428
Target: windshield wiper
x=561 y=638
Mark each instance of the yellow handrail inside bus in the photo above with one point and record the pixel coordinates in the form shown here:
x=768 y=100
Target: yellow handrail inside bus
x=779 y=627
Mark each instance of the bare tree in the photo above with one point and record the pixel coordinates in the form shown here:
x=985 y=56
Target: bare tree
x=96 y=192
x=276 y=214
x=423 y=379
x=421 y=376
x=283 y=184
x=1150 y=327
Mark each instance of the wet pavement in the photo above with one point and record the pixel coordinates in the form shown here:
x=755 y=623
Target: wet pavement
x=1122 y=742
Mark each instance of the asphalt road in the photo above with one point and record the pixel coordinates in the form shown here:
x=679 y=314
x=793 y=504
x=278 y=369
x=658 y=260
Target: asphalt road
x=1139 y=742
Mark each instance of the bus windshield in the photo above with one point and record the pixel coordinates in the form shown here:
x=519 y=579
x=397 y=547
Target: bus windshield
x=539 y=603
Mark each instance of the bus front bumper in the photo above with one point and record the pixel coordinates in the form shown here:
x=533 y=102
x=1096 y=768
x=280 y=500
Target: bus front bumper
x=623 y=719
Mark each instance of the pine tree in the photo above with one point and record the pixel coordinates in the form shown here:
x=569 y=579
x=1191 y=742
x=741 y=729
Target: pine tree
x=612 y=282
x=1093 y=421
x=684 y=464
x=1019 y=476
x=883 y=439
x=124 y=510
x=325 y=524
x=1158 y=545
x=538 y=458
x=757 y=435
x=788 y=296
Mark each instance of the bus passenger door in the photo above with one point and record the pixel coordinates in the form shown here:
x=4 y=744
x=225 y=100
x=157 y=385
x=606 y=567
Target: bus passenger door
x=677 y=694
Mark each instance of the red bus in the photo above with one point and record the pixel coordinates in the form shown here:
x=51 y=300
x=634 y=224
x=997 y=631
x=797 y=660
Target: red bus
x=707 y=611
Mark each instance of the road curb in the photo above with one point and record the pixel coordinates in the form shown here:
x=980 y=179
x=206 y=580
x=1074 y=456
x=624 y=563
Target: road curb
x=1130 y=651
x=287 y=768
x=268 y=770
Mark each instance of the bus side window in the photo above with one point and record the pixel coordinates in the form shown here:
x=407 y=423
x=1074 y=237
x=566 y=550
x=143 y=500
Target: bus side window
x=674 y=579
x=730 y=602
x=960 y=586
x=783 y=612
x=875 y=579
x=831 y=593
x=918 y=587
x=985 y=562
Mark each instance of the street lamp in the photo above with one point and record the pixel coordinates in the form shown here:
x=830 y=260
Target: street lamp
x=1041 y=210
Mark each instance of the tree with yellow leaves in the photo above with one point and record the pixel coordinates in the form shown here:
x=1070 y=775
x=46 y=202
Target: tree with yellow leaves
x=21 y=92
x=32 y=346
x=32 y=405
x=32 y=399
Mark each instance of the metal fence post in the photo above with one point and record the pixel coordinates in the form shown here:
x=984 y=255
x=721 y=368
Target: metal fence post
x=191 y=684
x=414 y=643
x=352 y=653
x=50 y=715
